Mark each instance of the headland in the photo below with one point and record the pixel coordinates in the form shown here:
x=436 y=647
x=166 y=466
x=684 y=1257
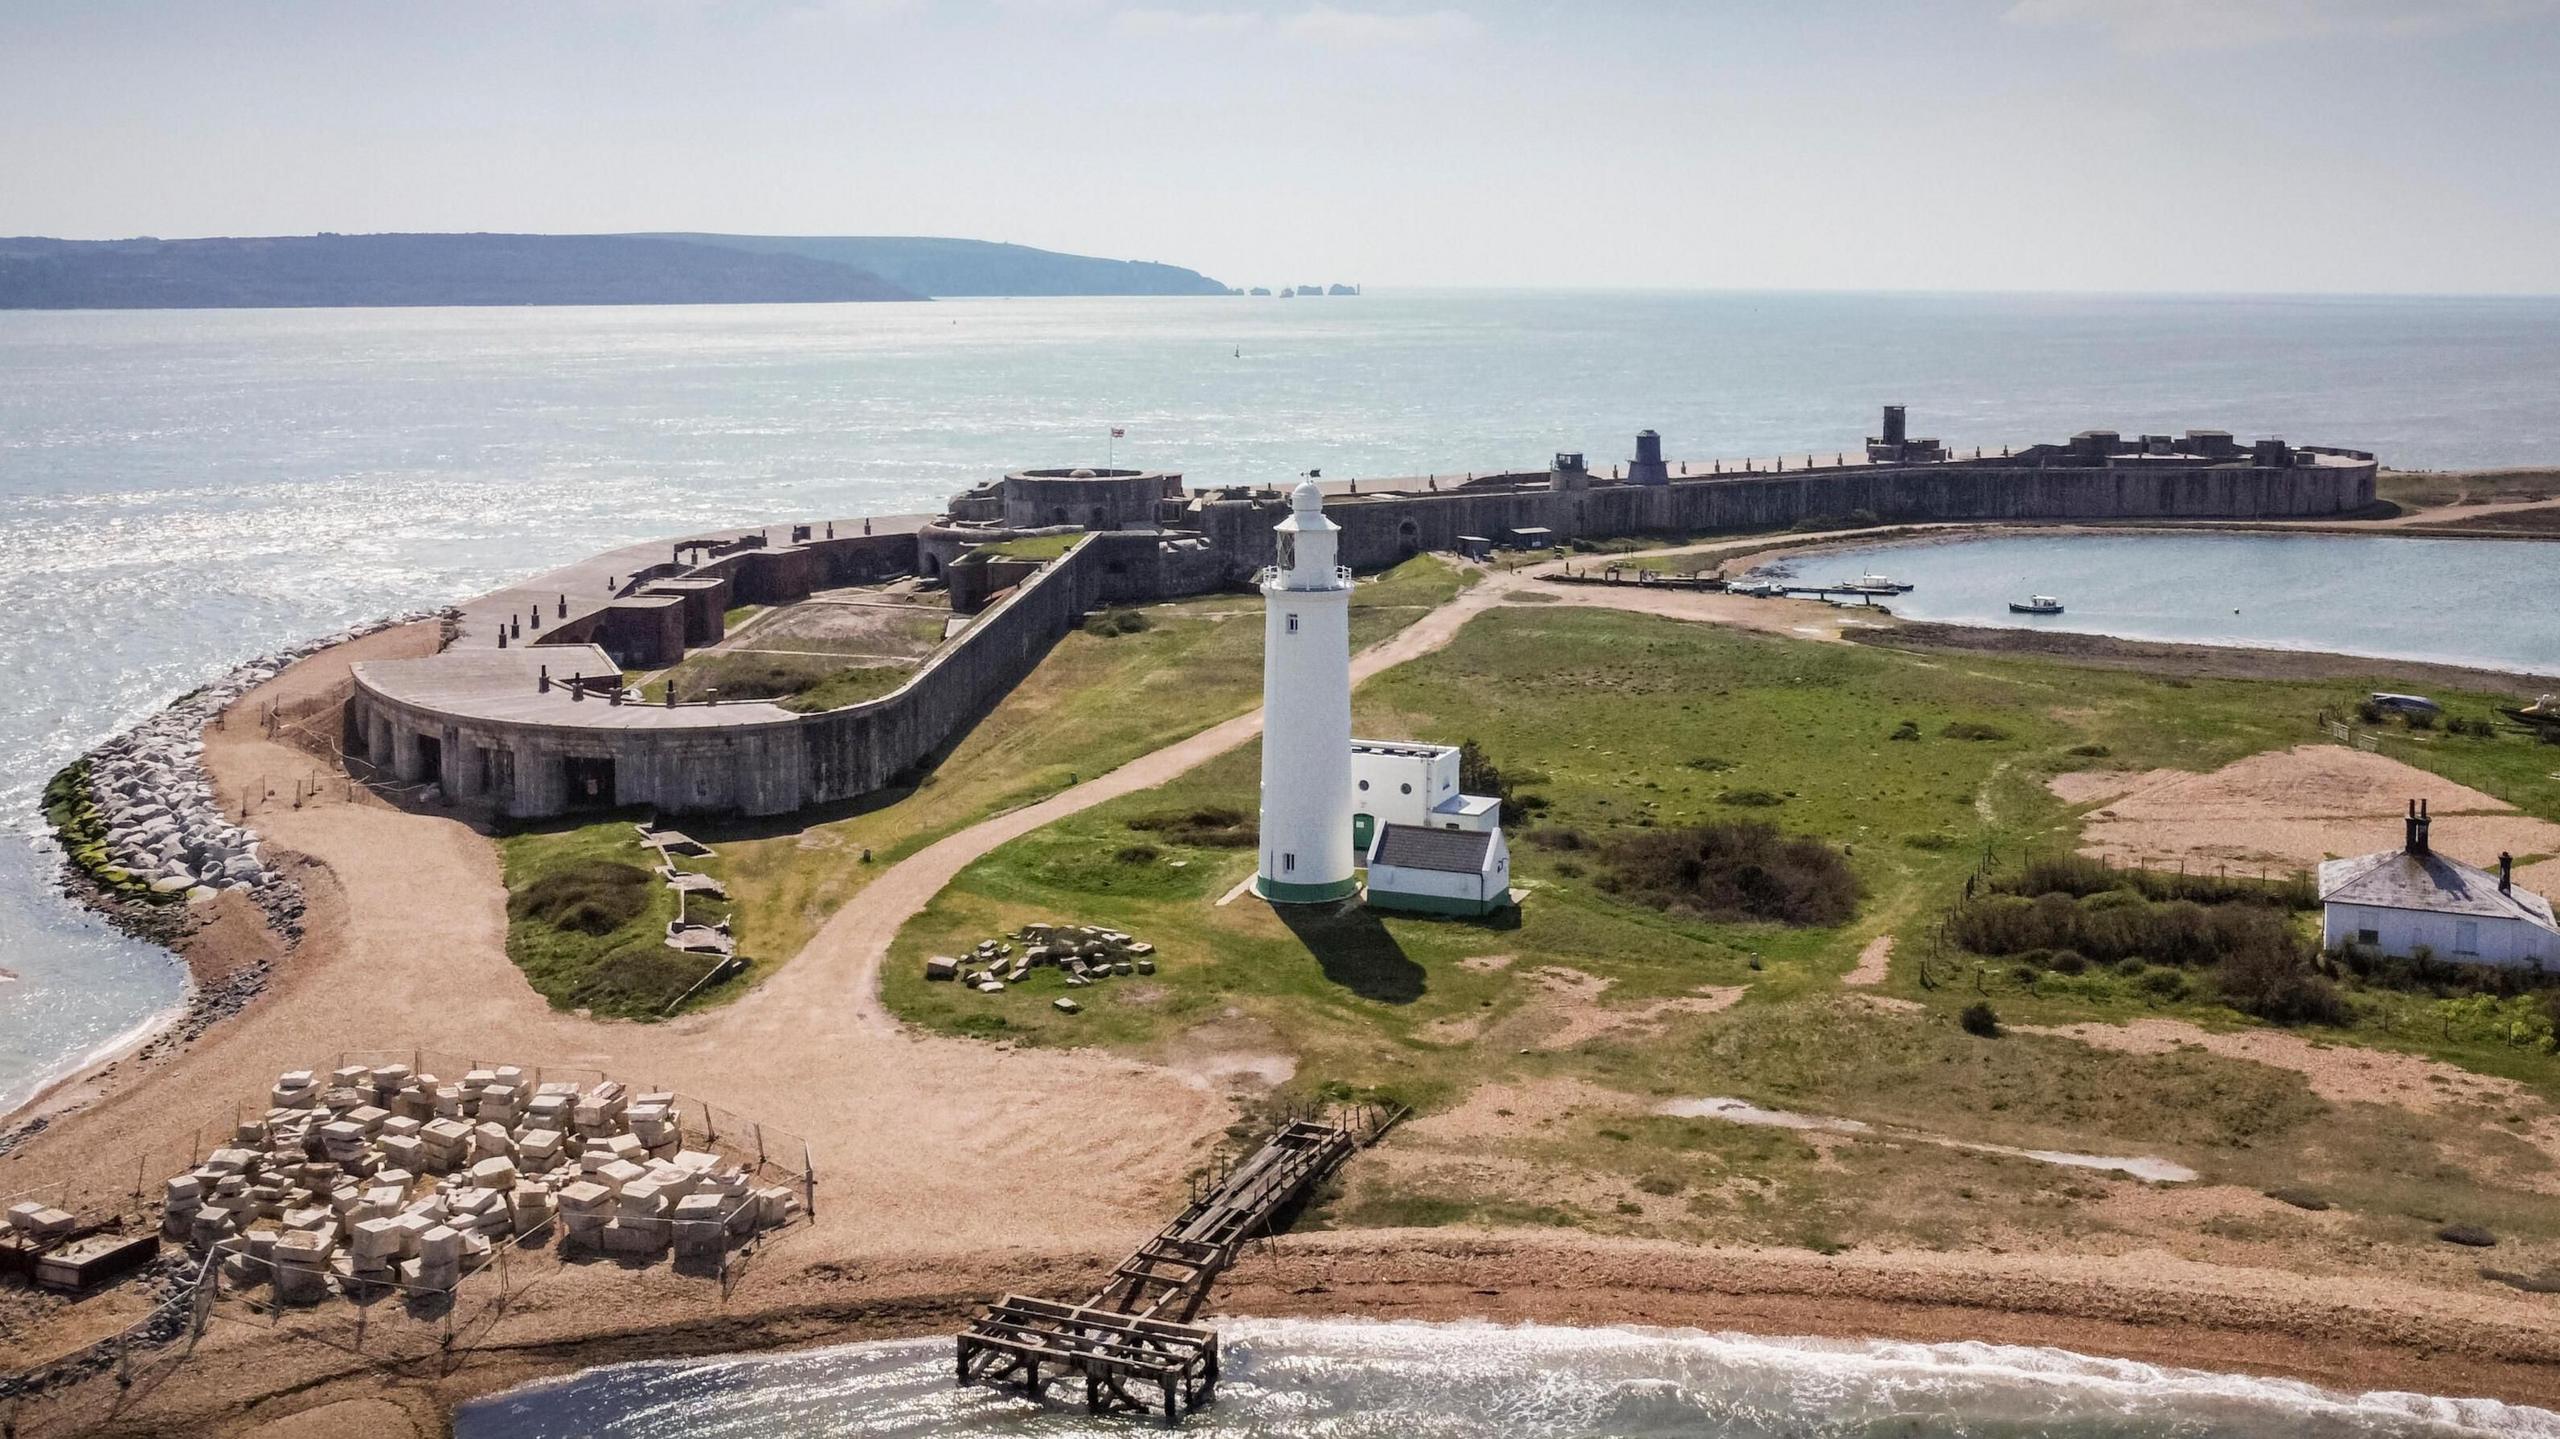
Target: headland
x=956 y=1158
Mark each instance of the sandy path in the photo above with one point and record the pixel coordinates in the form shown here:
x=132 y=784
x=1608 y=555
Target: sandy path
x=2290 y=809
x=2455 y=514
x=408 y=950
x=1874 y=962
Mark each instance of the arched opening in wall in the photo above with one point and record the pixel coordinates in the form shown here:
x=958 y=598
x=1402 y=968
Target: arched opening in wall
x=1101 y=519
x=932 y=566
x=1408 y=538
x=1058 y=516
x=430 y=759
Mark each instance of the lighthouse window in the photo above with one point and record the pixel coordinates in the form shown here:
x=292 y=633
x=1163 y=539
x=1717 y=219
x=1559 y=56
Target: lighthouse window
x=1293 y=624
x=1364 y=786
x=1288 y=864
x=1406 y=788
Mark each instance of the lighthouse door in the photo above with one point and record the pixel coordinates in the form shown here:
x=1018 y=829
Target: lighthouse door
x=1363 y=826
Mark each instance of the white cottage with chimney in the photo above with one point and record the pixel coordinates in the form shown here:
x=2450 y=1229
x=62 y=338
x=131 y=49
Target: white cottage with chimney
x=2401 y=900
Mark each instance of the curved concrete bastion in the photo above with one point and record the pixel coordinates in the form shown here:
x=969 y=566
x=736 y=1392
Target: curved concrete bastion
x=533 y=711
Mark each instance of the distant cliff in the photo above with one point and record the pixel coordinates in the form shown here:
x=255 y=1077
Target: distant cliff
x=955 y=268
x=322 y=270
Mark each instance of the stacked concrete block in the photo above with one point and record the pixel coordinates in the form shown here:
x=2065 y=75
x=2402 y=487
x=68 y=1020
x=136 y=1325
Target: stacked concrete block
x=408 y=1151
x=497 y=1172
x=655 y=1121
x=445 y=1147
x=700 y=1228
x=584 y=1208
x=540 y=1149
x=301 y=1260
x=295 y=1089
x=180 y=1198
x=599 y=1110
x=437 y=1266
x=37 y=1220
x=529 y=1207
x=342 y=1142
x=618 y=1174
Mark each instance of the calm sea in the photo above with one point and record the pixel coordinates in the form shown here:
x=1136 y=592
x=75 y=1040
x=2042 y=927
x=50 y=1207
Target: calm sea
x=182 y=490
x=2484 y=603
x=1349 y=1379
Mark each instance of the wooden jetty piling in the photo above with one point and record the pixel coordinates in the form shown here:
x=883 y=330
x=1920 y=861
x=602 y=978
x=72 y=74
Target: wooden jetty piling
x=1132 y=1342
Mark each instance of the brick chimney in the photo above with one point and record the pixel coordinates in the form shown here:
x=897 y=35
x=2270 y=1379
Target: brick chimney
x=2416 y=842
x=2506 y=873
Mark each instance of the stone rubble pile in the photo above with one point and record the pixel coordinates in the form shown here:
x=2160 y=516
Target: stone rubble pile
x=163 y=829
x=1085 y=954
x=368 y=1177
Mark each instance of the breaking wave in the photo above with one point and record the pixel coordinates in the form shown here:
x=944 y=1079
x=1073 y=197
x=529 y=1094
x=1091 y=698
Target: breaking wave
x=1350 y=1379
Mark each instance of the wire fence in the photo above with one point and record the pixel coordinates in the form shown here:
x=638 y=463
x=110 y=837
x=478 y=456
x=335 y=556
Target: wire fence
x=2403 y=749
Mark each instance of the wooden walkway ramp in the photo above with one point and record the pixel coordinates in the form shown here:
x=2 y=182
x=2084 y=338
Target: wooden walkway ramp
x=1133 y=1342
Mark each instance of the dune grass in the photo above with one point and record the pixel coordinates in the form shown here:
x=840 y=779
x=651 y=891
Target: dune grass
x=587 y=918
x=1625 y=725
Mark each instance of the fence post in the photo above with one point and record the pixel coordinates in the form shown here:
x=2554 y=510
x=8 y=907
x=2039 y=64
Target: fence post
x=809 y=1181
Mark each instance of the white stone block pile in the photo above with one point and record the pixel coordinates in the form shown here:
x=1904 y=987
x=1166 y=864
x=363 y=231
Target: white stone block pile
x=366 y=1177
x=1084 y=954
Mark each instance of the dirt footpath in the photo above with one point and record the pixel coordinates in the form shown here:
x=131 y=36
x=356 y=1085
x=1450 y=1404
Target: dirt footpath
x=2290 y=809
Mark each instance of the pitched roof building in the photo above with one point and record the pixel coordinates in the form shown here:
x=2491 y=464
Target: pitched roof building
x=2402 y=900
x=1439 y=871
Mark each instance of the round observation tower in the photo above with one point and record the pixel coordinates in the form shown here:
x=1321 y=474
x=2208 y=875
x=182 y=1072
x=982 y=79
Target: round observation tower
x=1306 y=713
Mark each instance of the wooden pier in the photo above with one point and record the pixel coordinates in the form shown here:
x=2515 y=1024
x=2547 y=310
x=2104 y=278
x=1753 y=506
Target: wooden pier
x=1132 y=1342
x=1716 y=583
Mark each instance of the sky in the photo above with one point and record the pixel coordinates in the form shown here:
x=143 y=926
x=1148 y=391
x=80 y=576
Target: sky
x=2396 y=146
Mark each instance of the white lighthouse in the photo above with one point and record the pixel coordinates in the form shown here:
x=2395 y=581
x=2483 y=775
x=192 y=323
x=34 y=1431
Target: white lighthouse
x=1306 y=713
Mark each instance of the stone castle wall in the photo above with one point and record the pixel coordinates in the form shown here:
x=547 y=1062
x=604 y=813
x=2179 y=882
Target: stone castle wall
x=759 y=765
x=766 y=765
x=1383 y=530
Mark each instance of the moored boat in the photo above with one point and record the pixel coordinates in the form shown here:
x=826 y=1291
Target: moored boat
x=1872 y=583
x=2036 y=605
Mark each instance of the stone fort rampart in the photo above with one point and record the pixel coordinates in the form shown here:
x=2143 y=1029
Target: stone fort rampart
x=490 y=725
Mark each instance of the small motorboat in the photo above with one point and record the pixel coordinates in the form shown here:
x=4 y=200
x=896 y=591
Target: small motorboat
x=2036 y=605
x=1872 y=583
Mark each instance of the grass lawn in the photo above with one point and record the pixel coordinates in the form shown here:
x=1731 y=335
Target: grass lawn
x=1031 y=547
x=586 y=917
x=1092 y=704
x=2420 y=489
x=1620 y=723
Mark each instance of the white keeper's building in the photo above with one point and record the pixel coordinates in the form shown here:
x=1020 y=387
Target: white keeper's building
x=2401 y=900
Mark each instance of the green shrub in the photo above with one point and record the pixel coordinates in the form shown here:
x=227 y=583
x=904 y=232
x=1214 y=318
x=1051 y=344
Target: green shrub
x=1560 y=837
x=1118 y=622
x=1735 y=870
x=1137 y=854
x=1967 y=729
x=1979 y=1018
x=2275 y=981
x=596 y=896
x=1907 y=730
x=1209 y=826
x=1750 y=799
x=2162 y=982
x=2089 y=751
